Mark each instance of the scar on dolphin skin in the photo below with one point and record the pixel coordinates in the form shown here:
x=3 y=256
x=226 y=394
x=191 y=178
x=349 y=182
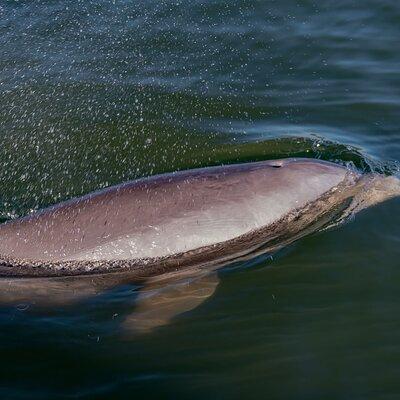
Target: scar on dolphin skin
x=172 y=232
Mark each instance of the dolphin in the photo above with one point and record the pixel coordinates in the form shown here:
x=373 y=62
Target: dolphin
x=172 y=232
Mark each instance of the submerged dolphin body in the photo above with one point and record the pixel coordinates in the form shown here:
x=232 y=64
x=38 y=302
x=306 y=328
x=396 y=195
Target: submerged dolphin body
x=167 y=230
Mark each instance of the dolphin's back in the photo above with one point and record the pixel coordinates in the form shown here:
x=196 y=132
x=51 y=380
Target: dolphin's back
x=169 y=214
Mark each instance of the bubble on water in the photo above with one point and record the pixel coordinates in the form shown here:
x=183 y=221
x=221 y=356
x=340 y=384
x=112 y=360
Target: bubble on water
x=22 y=306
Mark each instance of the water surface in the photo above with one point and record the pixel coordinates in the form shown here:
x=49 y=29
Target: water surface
x=93 y=93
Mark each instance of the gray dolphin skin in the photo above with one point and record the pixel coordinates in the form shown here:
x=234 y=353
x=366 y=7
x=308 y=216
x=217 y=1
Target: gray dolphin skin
x=196 y=220
x=157 y=224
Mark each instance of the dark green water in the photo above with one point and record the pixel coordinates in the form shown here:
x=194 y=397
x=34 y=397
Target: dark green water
x=97 y=92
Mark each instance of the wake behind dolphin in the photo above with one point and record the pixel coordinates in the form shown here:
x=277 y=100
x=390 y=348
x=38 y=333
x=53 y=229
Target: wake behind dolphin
x=166 y=225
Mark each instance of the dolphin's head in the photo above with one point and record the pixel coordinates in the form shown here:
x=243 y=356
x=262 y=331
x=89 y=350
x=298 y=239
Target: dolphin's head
x=285 y=185
x=310 y=177
x=309 y=166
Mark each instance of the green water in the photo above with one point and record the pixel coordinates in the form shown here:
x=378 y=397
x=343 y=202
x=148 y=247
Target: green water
x=93 y=93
